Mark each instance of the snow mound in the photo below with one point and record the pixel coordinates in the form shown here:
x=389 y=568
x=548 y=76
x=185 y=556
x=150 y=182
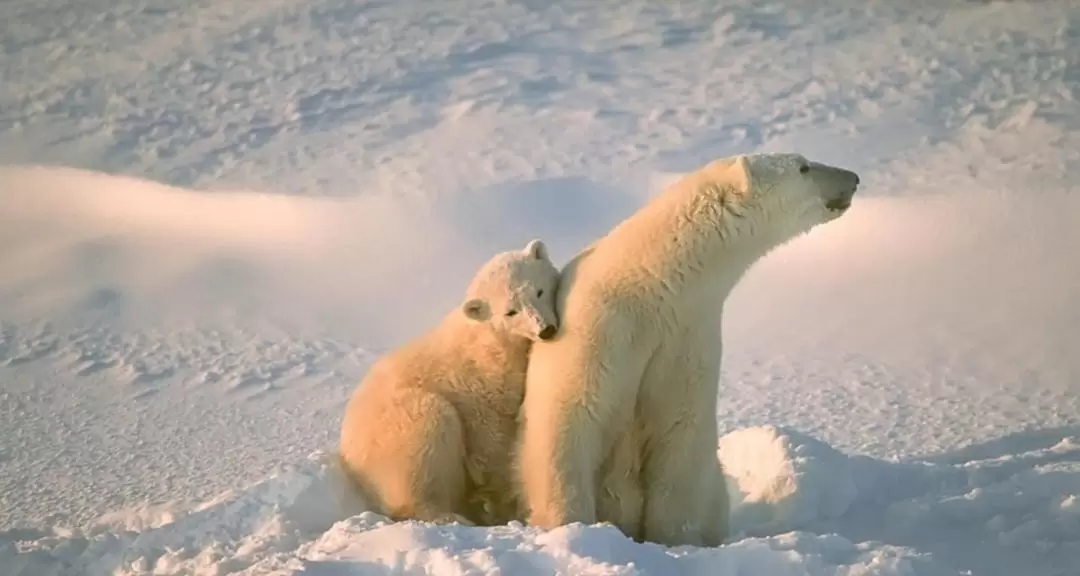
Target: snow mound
x=306 y=519
x=780 y=480
x=1009 y=506
x=800 y=507
x=226 y=534
x=1023 y=504
x=367 y=544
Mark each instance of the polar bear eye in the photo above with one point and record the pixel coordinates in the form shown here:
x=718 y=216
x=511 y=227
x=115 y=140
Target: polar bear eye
x=539 y=292
x=804 y=169
x=510 y=313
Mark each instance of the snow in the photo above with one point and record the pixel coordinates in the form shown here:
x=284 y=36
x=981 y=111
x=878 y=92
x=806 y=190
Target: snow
x=298 y=511
x=215 y=215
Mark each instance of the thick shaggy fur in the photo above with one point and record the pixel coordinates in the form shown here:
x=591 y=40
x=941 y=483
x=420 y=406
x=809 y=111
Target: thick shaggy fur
x=620 y=409
x=428 y=433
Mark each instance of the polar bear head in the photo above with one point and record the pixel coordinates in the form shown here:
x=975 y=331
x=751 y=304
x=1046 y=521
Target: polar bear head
x=515 y=291
x=784 y=195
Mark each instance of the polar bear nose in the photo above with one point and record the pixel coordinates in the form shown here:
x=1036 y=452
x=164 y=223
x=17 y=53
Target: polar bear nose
x=547 y=332
x=849 y=178
x=854 y=179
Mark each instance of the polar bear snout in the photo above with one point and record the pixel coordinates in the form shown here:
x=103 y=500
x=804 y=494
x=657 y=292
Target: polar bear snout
x=837 y=185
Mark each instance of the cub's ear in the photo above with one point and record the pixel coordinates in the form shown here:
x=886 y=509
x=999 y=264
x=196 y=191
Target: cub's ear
x=476 y=309
x=537 y=250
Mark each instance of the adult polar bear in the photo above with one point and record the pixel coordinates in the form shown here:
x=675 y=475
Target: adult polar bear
x=620 y=408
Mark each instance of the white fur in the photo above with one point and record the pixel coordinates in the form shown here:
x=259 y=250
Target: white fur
x=428 y=432
x=620 y=409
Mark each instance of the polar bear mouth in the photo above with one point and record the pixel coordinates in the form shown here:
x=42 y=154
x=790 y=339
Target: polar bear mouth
x=838 y=204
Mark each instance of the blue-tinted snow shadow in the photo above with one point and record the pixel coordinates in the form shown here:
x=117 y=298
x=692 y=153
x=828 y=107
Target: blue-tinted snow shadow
x=1000 y=507
x=340 y=568
x=1017 y=443
x=567 y=213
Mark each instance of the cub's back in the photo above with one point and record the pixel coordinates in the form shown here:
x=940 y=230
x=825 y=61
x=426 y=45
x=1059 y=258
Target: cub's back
x=457 y=358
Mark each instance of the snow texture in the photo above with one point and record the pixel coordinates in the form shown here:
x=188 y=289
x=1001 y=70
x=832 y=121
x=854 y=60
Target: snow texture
x=215 y=215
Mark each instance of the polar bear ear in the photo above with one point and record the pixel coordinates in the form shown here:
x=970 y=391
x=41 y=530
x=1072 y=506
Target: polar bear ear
x=476 y=309
x=537 y=250
x=741 y=177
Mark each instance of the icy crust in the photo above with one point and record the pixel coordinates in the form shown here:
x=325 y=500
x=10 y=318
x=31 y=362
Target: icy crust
x=799 y=507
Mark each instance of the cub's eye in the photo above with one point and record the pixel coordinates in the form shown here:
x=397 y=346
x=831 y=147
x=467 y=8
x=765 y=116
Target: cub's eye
x=804 y=169
x=510 y=313
x=539 y=292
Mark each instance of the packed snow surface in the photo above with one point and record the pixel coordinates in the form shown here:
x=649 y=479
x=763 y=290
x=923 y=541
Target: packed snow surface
x=215 y=215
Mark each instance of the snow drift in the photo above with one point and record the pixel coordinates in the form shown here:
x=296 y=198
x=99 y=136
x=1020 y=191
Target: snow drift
x=293 y=522
x=805 y=502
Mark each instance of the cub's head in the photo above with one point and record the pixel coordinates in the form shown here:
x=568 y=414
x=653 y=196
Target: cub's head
x=788 y=194
x=515 y=291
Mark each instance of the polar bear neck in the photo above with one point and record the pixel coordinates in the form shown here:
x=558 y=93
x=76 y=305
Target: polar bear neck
x=699 y=232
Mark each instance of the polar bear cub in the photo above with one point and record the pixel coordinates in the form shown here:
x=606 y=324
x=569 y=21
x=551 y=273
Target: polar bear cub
x=429 y=432
x=619 y=418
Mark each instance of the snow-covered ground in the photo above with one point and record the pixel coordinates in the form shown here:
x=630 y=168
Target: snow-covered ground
x=215 y=214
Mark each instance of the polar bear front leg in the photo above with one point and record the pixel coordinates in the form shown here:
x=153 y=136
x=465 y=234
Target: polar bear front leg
x=674 y=490
x=620 y=498
x=717 y=517
x=577 y=388
x=558 y=477
x=679 y=466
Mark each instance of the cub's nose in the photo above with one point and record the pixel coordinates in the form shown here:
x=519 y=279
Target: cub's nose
x=548 y=332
